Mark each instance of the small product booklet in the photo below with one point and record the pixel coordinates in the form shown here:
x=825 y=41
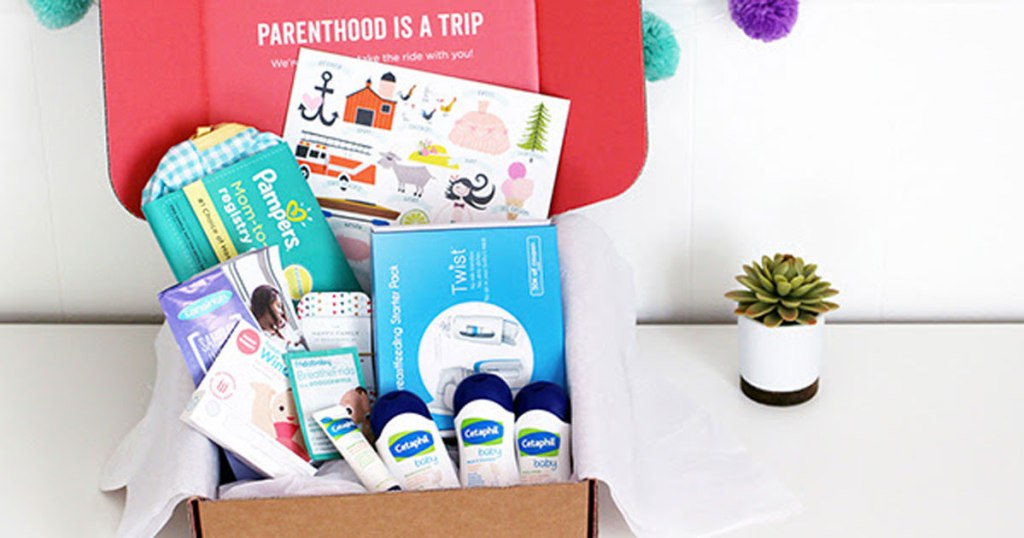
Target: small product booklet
x=452 y=301
x=392 y=145
x=322 y=380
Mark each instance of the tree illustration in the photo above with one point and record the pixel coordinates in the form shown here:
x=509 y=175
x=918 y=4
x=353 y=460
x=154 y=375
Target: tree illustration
x=536 y=130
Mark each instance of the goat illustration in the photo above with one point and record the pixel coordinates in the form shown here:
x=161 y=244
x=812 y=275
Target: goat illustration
x=417 y=176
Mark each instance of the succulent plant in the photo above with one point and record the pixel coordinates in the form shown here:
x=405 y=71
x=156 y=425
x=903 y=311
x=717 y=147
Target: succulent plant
x=782 y=291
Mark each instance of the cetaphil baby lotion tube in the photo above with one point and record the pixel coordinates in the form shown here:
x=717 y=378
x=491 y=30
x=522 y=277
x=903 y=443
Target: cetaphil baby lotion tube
x=409 y=443
x=543 y=437
x=485 y=427
x=352 y=444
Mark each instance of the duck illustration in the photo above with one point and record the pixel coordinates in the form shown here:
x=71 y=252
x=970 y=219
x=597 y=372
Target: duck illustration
x=448 y=108
x=405 y=96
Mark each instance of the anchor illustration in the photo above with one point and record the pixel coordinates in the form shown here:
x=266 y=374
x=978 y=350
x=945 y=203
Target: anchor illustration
x=324 y=92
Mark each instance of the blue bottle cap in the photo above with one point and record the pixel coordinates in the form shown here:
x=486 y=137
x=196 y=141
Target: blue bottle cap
x=483 y=387
x=543 y=395
x=393 y=404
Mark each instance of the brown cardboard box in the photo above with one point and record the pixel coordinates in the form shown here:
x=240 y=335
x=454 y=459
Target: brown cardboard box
x=546 y=510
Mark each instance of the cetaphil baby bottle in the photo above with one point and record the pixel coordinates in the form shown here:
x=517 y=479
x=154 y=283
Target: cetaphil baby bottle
x=409 y=443
x=485 y=426
x=543 y=436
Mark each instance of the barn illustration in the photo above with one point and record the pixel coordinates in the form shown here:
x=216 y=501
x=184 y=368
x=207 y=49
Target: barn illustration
x=372 y=108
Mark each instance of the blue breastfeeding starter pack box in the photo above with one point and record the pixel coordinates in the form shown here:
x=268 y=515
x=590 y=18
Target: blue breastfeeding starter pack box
x=452 y=301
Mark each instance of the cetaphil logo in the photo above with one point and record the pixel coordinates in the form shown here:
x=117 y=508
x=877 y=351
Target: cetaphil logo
x=405 y=445
x=479 y=431
x=205 y=305
x=339 y=427
x=533 y=442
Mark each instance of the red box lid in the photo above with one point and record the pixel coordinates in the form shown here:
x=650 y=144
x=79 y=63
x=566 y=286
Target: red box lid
x=159 y=84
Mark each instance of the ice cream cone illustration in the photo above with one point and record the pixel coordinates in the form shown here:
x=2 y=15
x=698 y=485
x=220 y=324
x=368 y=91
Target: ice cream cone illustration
x=517 y=189
x=514 y=207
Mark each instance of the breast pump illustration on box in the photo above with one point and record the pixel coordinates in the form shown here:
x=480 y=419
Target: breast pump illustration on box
x=492 y=343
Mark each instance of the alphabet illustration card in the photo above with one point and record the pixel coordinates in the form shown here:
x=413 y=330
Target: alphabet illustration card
x=390 y=145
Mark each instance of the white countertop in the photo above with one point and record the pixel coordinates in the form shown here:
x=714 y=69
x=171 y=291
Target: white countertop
x=915 y=430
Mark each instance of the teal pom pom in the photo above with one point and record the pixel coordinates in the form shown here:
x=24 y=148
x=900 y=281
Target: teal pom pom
x=59 y=13
x=661 y=50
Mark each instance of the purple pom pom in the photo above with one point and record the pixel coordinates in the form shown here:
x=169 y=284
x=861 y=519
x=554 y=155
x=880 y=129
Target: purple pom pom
x=766 y=20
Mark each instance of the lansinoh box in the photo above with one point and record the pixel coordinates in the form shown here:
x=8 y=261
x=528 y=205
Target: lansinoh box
x=452 y=301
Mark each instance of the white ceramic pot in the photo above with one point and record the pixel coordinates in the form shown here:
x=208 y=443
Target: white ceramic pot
x=780 y=366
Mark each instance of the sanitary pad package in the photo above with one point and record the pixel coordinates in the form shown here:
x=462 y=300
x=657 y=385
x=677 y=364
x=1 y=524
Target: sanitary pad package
x=203 y=310
x=452 y=301
x=260 y=200
x=245 y=405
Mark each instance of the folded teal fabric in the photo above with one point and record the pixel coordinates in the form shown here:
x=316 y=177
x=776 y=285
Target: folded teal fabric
x=185 y=163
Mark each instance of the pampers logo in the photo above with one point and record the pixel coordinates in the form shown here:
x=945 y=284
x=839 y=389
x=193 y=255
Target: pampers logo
x=405 y=445
x=539 y=443
x=205 y=305
x=294 y=212
x=285 y=214
x=478 y=431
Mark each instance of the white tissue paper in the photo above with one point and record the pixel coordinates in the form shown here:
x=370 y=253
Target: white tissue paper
x=670 y=470
x=161 y=461
x=333 y=478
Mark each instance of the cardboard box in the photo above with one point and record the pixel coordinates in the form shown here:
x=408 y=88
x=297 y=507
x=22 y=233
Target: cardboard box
x=154 y=53
x=564 y=510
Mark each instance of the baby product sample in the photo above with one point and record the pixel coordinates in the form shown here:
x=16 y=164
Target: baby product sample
x=332 y=320
x=336 y=423
x=231 y=189
x=485 y=427
x=203 y=310
x=322 y=379
x=409 y=443
x=389 y=143
x=543 y=437
x=245 y=405
x=453 y=301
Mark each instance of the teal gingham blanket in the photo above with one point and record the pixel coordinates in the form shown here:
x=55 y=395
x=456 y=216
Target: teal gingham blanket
x=184 y=164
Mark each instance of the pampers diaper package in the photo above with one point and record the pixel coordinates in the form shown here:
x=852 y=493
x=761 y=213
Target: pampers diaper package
x=453 y=301
x=245 y=405
x=249 y=201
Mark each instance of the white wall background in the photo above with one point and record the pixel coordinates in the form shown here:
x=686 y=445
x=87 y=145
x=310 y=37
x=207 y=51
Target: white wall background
x=882 y=139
